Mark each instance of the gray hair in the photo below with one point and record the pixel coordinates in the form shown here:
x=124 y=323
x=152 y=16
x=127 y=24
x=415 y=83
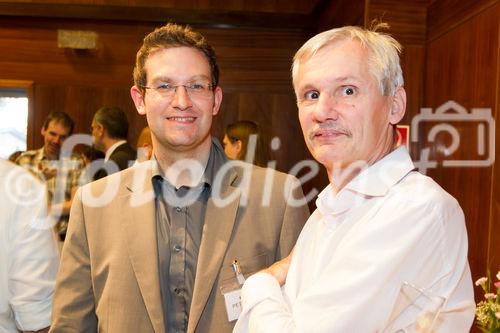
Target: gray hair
x=384 y=50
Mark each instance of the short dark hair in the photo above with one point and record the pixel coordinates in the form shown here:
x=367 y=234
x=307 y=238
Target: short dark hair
x=114 y=120
x=168 y=36
x=60 y=117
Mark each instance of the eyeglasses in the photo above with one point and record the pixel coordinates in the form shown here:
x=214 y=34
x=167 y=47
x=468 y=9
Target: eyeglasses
x=194 y=89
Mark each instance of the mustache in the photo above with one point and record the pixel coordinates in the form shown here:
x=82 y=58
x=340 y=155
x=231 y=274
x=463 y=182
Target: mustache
x=328 y=128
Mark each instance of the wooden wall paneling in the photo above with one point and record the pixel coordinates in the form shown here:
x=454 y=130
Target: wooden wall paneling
x=284 y=6
x=31 y=52
x=461 y=66
x=270 y=17
x=338 y=13
x=494 y=229
x=446 y=15
x=406 y=18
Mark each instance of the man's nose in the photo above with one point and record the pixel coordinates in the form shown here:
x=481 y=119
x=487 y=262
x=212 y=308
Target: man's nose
x=326 y=108
x=58 y=140
x=181 y=98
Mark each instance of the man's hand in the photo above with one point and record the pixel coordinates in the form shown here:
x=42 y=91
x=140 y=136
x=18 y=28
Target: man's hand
x=280 y=269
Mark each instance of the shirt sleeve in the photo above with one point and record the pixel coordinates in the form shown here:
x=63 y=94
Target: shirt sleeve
x=33 y=263
x=263 y=288
x=358 y=286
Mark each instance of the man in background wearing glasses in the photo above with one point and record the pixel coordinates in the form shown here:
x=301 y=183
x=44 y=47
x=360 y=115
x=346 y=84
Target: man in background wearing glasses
x=169 y=251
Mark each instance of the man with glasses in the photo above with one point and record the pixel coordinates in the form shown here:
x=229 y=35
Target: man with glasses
x=170 y=249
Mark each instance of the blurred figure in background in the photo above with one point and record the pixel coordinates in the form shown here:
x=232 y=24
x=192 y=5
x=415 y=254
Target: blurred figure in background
x=57 y=169
x=109 y=131
x=144 y=145
x=28 y=254
x=244 y=141
x=87 y=154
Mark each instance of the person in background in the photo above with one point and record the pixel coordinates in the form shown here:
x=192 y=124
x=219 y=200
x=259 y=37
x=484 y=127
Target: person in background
x=87 y=153
x=109 y=132
x=144 y=145
x=168 y=250
x=28 y=253
x=60 y=173
x=386 y=248
x=244 y=137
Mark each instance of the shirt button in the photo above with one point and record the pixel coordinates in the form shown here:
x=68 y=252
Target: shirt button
x=177 y=248
x=178 y=209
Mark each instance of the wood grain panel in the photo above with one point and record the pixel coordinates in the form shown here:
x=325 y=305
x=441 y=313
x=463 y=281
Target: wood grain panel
x=407 y=18
x=494 y=230
x=285 y=6
x=446 y=15
x=462 y=64
x=269 y=17
x=339 y=13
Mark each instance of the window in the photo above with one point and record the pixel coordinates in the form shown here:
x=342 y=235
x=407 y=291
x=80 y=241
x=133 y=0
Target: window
x=16 y=116
x=14 y=120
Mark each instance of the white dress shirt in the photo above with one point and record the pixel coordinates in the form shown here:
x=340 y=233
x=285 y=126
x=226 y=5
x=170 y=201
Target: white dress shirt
x=390 y=247
x=28 y=252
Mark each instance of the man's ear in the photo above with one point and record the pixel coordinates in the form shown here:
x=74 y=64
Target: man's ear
x=217 y=100
x=100 y=129
x=398 y=106
x=138 y=99
x=43 y=131
x=239 y=146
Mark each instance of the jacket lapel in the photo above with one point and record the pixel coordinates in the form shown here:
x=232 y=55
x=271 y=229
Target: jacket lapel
x=217 y=230
x=140 y=227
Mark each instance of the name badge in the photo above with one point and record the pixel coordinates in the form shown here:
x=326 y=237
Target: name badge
x=232 y=293
x=233 y=304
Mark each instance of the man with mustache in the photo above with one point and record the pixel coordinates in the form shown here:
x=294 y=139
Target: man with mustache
x=386 y=249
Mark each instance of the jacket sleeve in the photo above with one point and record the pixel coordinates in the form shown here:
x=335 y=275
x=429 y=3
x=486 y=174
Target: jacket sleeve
x=74 y=307
x=295 y=216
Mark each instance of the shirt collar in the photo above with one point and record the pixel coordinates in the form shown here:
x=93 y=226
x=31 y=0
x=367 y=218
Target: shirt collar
x=375 y=180
x=40 y=154
x=215 y=161
x=112 y=149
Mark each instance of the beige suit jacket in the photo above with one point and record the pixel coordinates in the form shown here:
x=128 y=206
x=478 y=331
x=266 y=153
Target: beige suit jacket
x=109 y=279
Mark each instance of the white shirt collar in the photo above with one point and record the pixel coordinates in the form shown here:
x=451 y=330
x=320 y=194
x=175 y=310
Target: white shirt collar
x=375 y=180
x=112 y=149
